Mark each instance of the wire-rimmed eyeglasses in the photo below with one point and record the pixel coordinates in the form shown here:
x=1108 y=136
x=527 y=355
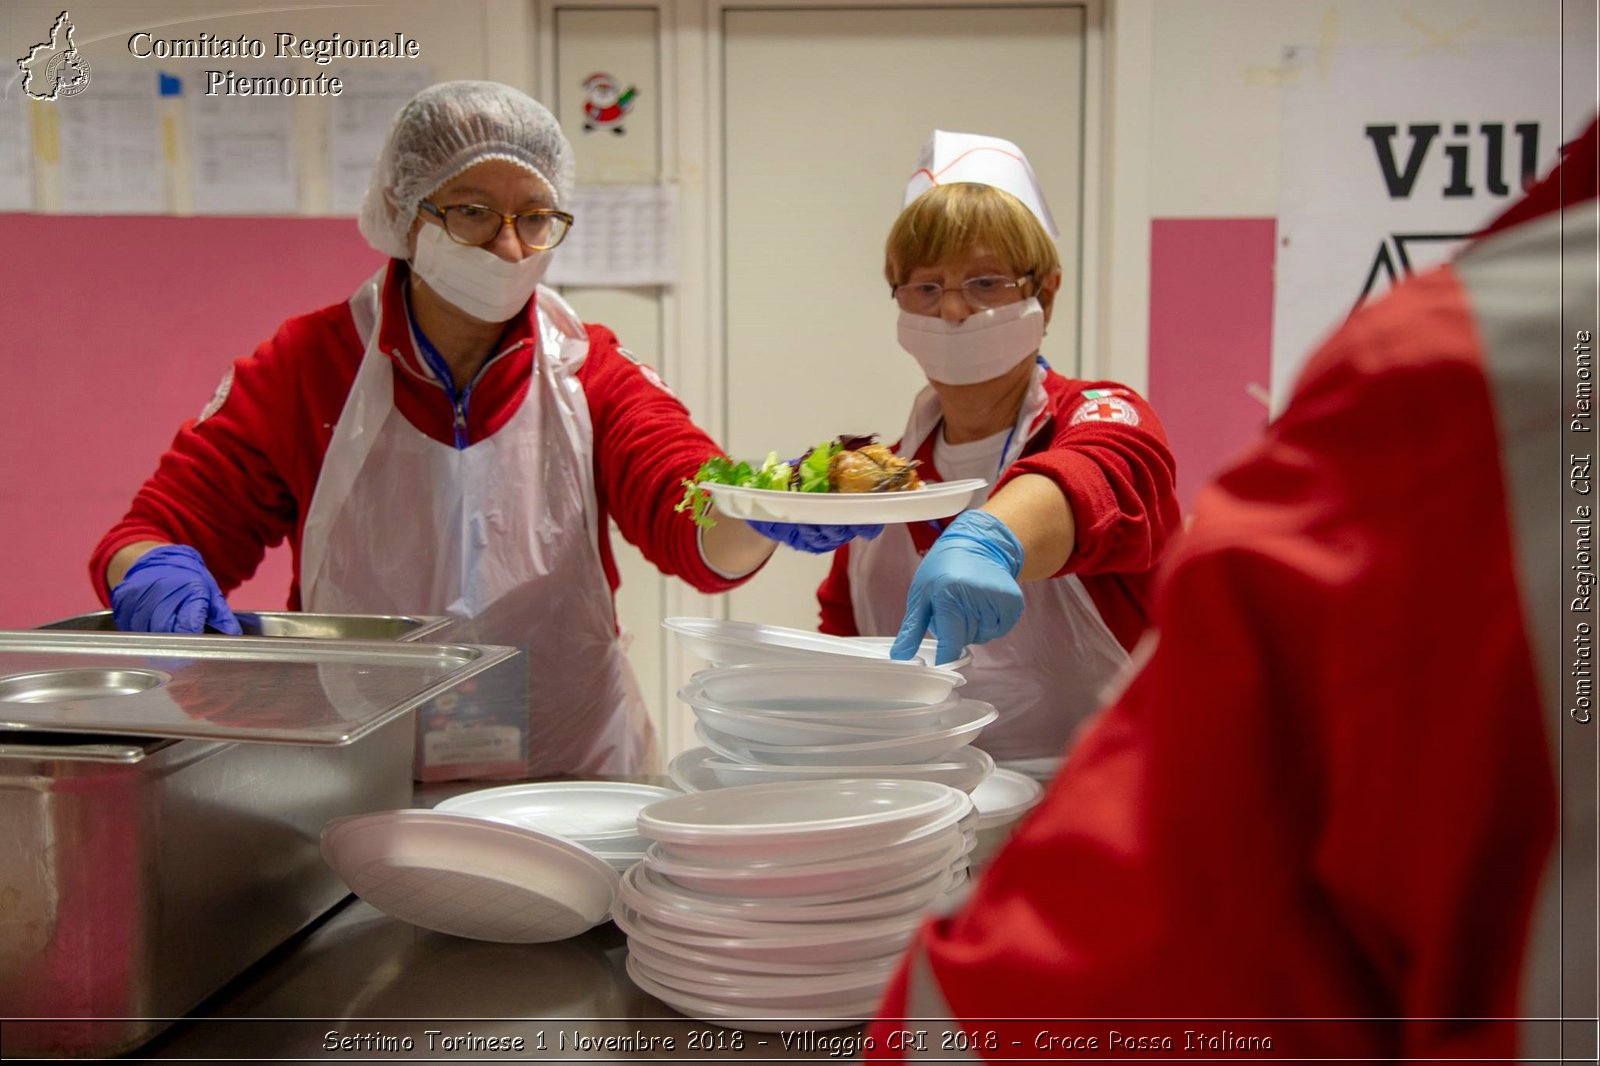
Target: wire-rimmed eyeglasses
x=982 y=293
x=477 y=225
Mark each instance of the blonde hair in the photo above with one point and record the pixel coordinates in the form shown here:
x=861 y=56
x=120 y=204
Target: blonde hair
x=948 y=221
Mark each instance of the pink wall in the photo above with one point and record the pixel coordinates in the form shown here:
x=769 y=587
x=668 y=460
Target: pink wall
x=115 y=330
x=1210 y=336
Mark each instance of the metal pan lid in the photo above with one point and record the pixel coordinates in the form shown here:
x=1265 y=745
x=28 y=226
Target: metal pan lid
x=260 y=689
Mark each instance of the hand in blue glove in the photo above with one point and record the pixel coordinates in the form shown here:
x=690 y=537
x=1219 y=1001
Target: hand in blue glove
x=965 y=588
x=814 y=539
x=169 y=590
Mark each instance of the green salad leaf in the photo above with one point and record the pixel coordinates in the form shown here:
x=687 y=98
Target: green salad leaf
x=773 y=474
x=814 y=466
x=811 y=475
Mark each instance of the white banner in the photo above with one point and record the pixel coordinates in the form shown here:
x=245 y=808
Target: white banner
x=1391 y=158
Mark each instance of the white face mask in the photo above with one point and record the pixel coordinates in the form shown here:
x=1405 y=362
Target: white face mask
x=476 y=280
x=982 y=348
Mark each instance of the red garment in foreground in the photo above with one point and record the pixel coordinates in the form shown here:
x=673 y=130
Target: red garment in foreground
x=1329 y=793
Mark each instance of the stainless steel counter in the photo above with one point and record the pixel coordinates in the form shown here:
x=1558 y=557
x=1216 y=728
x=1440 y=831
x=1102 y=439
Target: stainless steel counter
x=360 y=983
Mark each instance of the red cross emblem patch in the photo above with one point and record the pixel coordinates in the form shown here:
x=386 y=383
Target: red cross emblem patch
x=1105 y=409
x=218 y=398
x=648 y=372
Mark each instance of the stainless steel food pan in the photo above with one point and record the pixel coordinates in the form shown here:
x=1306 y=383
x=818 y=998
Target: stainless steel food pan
x=142 y=872
x=284 y=689
x=442 y=753
x=297 y=624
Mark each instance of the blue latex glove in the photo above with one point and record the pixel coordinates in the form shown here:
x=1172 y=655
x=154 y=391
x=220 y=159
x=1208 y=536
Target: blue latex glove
x=169 y=590
x=965 y=588
x=814 y=539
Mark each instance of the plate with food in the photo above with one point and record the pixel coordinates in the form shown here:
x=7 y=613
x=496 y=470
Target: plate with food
x=845 y=481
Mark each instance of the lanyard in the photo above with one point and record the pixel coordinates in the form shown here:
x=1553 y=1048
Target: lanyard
x=441 y=370
x=938 y=524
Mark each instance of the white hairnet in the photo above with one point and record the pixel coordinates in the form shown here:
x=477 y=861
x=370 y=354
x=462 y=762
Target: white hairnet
x=442 y=131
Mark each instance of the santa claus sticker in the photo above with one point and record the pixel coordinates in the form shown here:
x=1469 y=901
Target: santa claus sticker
x=606 y=103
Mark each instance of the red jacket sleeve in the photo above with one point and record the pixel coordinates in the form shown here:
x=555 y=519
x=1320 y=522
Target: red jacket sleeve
x=838 y=613
x=1310 y=805
x=1119 y=478
x=646 y=445
x=227 y=486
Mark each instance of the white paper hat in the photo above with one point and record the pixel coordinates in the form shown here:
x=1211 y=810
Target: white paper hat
x=952 y=157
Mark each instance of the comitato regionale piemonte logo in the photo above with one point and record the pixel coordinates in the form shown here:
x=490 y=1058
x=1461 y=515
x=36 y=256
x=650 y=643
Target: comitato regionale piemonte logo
x=55 y=68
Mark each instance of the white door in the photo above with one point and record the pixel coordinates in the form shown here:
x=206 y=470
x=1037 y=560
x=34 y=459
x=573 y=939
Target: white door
x=824 y=113
x=623 y=43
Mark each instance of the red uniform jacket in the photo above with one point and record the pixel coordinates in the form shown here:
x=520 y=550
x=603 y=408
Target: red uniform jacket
x=240 y=480
x=1325 y=806
x=1120 y=482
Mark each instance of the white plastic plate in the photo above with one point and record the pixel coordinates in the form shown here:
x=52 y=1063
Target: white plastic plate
x=690 y=772
x=621 y=863
x=575 y=810
x=783 y=993
x=859 y=715
x=701 y=769
x=811 y=942
x=1005 y=797
x=732 y=966
x=754 y=1019
x=936 y=499
x=847 y=877
x=694 y=922
x=793 y=812
x=471 y=877
x=1042 y=770
x=730 y=642
x=655 y=894
x=969 y=718
x=809 y=850
x=762 y=728
x=825 y=689
x=911 y=873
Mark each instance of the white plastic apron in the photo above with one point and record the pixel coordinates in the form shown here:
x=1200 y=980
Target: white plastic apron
x=1049 y=672
x=500 y=535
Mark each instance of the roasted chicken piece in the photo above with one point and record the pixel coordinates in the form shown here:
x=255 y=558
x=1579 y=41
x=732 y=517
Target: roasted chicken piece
x=872 y=468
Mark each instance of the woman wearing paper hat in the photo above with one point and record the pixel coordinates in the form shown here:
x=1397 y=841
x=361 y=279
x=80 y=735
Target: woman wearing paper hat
x=454 y=440
x=1313 y=811
x=1048 y=578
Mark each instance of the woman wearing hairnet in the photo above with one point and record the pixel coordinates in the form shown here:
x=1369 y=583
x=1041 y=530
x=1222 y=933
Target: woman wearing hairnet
x=1049 y=577
x=451 y=440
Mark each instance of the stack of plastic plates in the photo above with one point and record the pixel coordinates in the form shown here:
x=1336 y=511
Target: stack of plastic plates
x=700 y=769
x=1001 y=801
x=1042 y=770
x=597 y=815
x=789 y=904
x=724 y=642
x=803 y=721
